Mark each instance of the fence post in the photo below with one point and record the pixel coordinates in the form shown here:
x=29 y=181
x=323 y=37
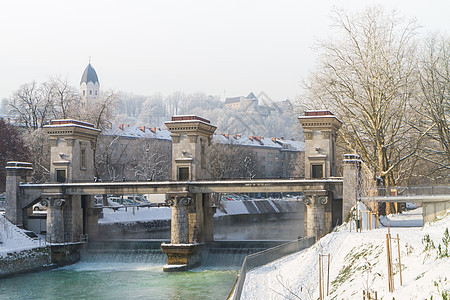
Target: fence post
x=399 y=261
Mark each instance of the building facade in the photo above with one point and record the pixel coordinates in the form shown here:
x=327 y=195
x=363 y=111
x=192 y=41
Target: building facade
x=140 y=153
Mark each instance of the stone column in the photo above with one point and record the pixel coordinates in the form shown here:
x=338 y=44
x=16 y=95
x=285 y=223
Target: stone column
x=16 y=172
x=317 y=219
x=180 y=222
x=55 y=220
x=351 y=191
x=208 y=224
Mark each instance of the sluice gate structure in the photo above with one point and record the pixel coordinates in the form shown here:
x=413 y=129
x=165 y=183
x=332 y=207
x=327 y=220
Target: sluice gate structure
x=71 y=205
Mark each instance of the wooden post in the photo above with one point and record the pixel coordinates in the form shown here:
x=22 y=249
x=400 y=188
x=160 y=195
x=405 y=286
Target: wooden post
x=377 y=221
x=399 y=261
x=368 y=214
x=391 y=268
x=388 y=263
x=360 y=221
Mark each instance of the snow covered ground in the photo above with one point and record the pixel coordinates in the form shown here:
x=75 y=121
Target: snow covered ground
x=358 y=262
x=13 y=239
x=143 y=214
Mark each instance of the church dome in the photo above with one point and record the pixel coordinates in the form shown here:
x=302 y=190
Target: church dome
x=89 y=75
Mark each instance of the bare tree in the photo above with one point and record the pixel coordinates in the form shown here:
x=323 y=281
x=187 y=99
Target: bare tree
x=32 y=105
x=367 y=75
x=11 y=148
x=434 y=106
x=38 y=143
x=111 y=157
x=231 y=162
x=151 y=160
x=64 y=97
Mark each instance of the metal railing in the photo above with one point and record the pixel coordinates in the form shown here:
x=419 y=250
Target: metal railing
x=267 y=256
x=68 y=239
x=413 y=191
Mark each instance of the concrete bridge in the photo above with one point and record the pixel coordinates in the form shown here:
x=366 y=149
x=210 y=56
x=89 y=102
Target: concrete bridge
x=71 y=206
x=435 y=200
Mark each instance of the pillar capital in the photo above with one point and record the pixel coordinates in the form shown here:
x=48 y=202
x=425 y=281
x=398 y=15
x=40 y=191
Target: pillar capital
x=56 y=202
x=315 y=200
x=177 y=201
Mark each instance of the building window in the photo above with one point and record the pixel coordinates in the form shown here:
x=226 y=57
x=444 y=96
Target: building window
x=263 y=158
x=90 y=92
x=95 y=93
x=292 y=155
x=276 y=156
x=270 y=164
x=84 y=93
x=317 y=171
x=61 y=176
x=183 y=173
x=270 y=155
x=83 y=158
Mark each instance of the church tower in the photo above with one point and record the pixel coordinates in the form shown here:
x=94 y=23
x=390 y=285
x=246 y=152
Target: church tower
x=89 y=85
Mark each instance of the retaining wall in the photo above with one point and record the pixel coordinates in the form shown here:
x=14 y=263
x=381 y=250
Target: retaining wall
x=25 y=261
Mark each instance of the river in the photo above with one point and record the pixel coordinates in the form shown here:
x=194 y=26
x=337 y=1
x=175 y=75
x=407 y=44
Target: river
x=127 y=275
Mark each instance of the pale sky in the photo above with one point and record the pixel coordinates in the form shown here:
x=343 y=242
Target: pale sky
x=218 y=47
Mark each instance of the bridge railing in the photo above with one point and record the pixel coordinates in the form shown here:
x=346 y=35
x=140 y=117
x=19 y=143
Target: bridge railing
x=412 y=191
x=267 y=256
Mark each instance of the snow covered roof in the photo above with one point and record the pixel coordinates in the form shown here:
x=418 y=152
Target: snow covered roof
x=236 y=139
x=259 y=141
x=138 y=132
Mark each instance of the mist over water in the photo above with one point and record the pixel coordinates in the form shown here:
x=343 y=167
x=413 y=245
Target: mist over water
x=279 y=227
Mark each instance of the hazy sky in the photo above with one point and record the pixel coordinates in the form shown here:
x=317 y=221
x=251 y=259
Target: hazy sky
x=218 y=47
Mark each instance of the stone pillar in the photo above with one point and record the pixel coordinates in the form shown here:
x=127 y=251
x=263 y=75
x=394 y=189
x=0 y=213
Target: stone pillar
x=91 y=214
x=208 y=223
x=351 y=190
x=179 y=224
x=72 y=160
x=191 y=140
x=55 y=220
x=318 y=217
x=183 y=252
x=16 y=172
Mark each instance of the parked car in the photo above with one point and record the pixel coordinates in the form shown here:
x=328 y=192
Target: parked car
x=138 y=199
x=39 y=206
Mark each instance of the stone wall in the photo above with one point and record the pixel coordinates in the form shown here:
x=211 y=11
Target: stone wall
x=25 y=261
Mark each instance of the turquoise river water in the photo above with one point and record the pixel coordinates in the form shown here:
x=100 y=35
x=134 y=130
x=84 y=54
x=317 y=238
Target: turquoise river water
x=112 y=280
x=135 y=272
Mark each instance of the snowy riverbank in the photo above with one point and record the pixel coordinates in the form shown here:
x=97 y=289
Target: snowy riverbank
x=358 y=262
